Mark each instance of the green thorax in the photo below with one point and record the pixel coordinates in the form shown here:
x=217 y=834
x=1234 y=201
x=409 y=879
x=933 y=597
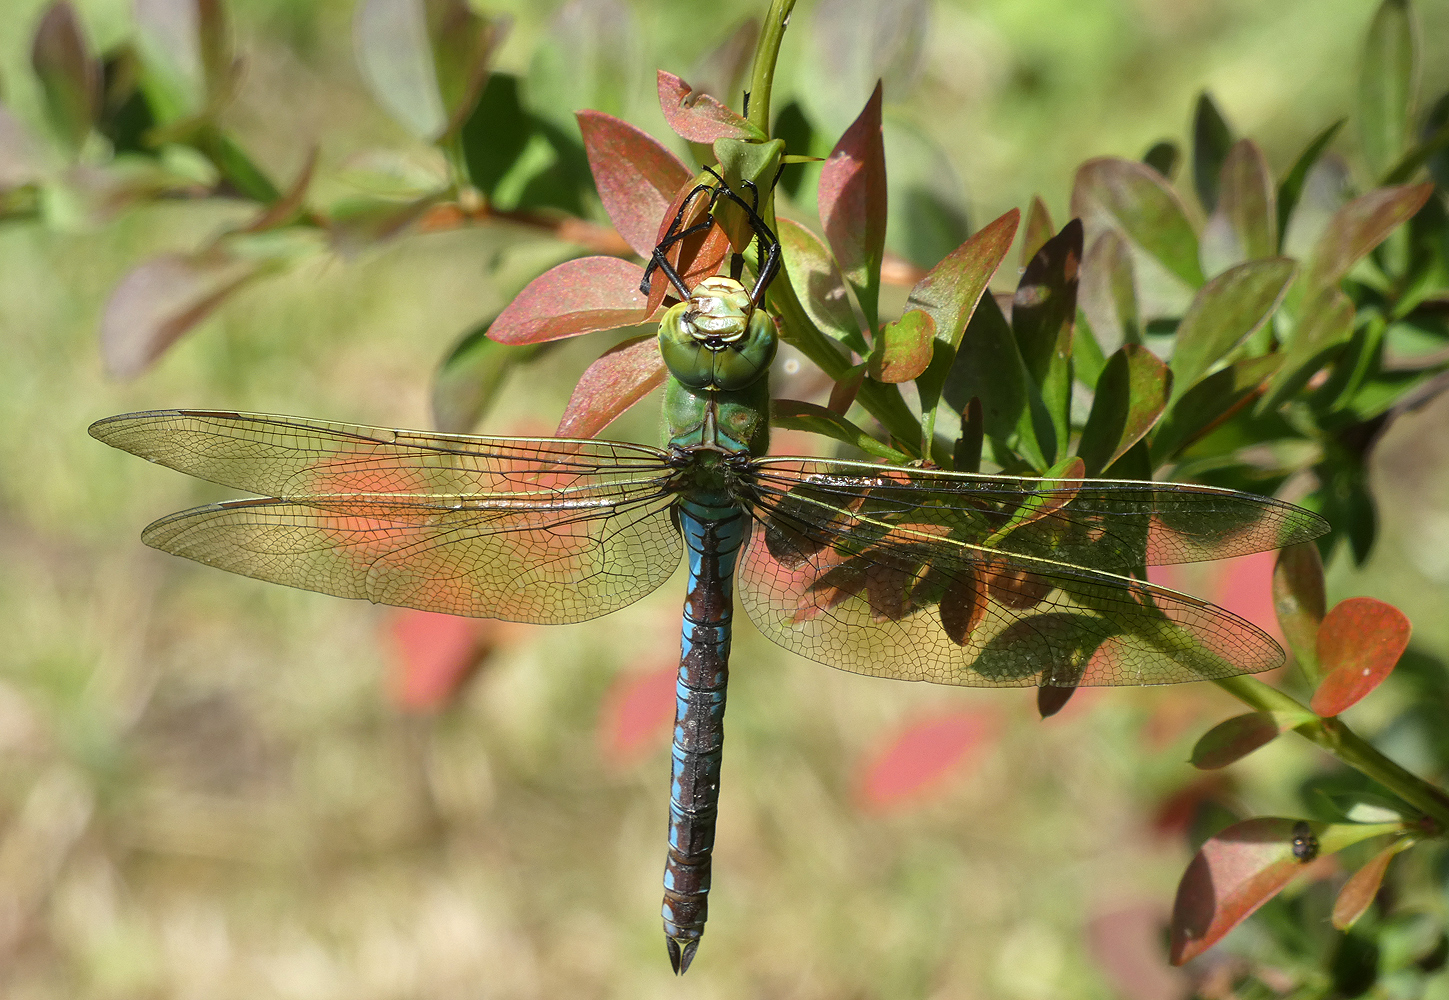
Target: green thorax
x=718 y=349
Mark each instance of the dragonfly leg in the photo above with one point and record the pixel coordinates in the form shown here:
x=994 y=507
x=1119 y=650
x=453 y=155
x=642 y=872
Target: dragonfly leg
x=674 y=234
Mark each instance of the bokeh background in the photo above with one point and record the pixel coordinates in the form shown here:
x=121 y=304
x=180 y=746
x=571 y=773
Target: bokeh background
x=214 y=788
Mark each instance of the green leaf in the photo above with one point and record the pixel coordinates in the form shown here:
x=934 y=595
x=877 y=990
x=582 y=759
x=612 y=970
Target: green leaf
x=175 y=77
x=1209 y=403
x=1038 y=230
x=70 y=75
x=989 y=367
x=233 y=164
x=852 y=200
x=1211 y=138
x=1131 y=394
x=818 y=281
x=1162 y=157
x=1244 y=225
x=1112 y=193
x=519 y=160
x=1357 y=228
x=1224 y=313
x=471 y=377
x=903 y=348
x=1326 y=189
x=950 y=291
x=966 y=455
x=1386 y=84
x=1042 y=314
x=590 y=56
x=1325 y=326
x=1292 y=187
x=396 y=59
x=1108 y=292
x=796 y=415
x=462 y=46
x=1436 y=122
x=1299 y=603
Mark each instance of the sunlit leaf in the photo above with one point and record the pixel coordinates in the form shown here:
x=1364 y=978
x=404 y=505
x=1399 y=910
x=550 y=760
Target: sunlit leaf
x=1386 y=84
x=435 y=655
x=903 y=348
x=1136 y=199
x=1038 y=230
x=1291 y=188
x=69 y=74
x=1240 y=869
x=951 y=290
x=1131 y=394
x=1325 y=326
x=577 y=296
x=1300 y=602
x=1233 y=739
x=852 y=200
x=162 y=299
x=1042 y=316
x=797 y=415
x=1227 y=311
x=637 y=177
x=1107 y=292
x=1358 y=893
x=820 y=286
x=1358 y=644
x=1357 y=228
x=700 y=117
x=921 y=756
x=1244 y=225
x=622 y=376
x=1211 y=139
x=1210 y=402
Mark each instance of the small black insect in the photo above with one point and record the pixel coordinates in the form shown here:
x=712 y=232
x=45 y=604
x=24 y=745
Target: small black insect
x=1305 y=844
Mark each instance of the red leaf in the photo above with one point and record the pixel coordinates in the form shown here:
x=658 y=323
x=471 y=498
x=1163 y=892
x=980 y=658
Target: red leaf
x=1299 y=601
x=852 y=201
x=578 y=296
x=1235 y=873
x=436 y=654
x=1359 y=891
x=623 y=375
x=1359 y=642
x=950 y=291
x=162 y=299
x=636 y=711
x=700 y=118
x=903 y=348
x=695 y=258
x=1235 y=738
x=636 y=176
x=921 y=757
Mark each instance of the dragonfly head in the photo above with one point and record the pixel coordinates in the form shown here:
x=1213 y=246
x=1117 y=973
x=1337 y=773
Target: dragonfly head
x=717 y=340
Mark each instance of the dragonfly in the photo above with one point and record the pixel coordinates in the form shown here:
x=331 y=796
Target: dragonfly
x=910 y=572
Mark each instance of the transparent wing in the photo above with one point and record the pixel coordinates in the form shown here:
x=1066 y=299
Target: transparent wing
x=992 y=581
x=536 y=530
x=1113 y=525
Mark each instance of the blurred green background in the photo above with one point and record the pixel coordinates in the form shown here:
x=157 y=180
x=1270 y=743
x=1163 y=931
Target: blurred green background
x=207 y=789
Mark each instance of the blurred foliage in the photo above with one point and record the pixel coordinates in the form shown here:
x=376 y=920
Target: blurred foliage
x=236 y=828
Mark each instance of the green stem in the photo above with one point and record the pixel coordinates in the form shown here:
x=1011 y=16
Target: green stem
x=767 y=51
x=1334 y=736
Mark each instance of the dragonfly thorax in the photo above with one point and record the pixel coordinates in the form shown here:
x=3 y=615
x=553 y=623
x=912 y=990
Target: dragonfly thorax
x=718 y=339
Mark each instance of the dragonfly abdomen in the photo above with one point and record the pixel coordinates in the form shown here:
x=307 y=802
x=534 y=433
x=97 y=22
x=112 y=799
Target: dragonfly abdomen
x=712 y=537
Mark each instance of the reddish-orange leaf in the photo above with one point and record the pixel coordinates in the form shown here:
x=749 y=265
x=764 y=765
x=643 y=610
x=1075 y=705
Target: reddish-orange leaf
x=903 y=348
x=636 y=714
x=1359 y=891
x=636 y=176
x=700 y=118
x=1299 y=601
x=436 y=654
x=950 y=291
x=577 y=296
x=852 y=201
x=1235 y=873
x=1233 y=739
x=843 y=393
x=920 y=757
x=1359 y=642
x=695 y=258
x=625 y=374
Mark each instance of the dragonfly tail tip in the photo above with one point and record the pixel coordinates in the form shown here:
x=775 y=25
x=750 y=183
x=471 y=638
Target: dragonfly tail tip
x=681 y=953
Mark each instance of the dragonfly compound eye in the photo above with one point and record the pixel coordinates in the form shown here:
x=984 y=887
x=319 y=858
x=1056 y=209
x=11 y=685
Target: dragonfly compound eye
x=717 y=340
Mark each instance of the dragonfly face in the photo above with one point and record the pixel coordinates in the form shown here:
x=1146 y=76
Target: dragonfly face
x=911 y=573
